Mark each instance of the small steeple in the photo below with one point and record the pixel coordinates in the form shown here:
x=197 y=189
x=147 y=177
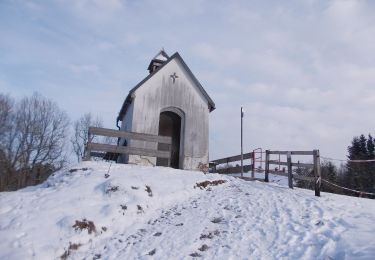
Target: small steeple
x=158 y=60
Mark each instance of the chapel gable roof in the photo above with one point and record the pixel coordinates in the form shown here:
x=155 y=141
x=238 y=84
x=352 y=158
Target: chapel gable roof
x=177 y=56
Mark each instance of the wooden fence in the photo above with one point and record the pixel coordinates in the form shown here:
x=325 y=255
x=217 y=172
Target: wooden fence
x=92 y=148
x=287 y=170
x=315 y=166
x=233 y=169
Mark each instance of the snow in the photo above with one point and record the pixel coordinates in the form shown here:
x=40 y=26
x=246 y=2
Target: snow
x=161 y=56
x=174 y=219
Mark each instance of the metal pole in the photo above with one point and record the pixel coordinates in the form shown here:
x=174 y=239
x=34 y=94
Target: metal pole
x=241 y=141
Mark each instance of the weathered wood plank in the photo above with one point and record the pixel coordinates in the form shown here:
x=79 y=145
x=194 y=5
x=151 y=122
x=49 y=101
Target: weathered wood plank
x=236 y=169
x=128 y=150
x=130 y=135
x=317 y=173
x=293 y=152
x=278 y=152
x=233 y=158
x=305 y=165
x=97 y=154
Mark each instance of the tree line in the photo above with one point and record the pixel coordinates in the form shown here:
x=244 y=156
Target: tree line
x=357 y=173
x=35 y=139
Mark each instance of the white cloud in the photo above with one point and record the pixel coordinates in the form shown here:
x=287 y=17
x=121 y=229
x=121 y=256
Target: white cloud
x=304 y=70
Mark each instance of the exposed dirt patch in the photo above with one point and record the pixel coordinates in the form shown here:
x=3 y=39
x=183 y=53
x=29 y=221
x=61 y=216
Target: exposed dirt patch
x=210 y=235
x=134 y=188
x=203 y=248
x=85 y=224
x=203 y=167
x=195 y=254
x=80 y=169
x=152 y=252
x=123 y=209
x=149 y=191
x=72 y=246
x=111 y=188
x=205 y=184
x=217 y=220
x=140 y=209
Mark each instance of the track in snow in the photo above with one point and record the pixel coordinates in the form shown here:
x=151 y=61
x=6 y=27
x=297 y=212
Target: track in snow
x=239 y=221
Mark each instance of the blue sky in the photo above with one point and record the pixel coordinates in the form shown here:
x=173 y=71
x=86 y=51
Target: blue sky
x=303 y=70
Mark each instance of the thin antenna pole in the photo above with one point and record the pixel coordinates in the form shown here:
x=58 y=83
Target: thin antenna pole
x=241 y=141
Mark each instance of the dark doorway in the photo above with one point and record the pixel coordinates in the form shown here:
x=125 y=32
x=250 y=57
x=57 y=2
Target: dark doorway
x=170 y=125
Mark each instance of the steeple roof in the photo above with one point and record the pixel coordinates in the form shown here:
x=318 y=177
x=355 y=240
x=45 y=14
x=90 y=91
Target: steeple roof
x=157 y=61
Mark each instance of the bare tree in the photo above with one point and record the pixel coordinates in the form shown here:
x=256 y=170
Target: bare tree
x=6 y=105
x=81 y=128
x=33 y=137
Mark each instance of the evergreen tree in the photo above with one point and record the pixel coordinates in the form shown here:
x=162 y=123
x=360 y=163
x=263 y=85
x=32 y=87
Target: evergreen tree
x=355 y=149
x=329 y=173
x=363 y=144
x=360 y=175
x=370 y=147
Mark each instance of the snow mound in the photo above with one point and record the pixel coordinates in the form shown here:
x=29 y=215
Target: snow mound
x=97 y=210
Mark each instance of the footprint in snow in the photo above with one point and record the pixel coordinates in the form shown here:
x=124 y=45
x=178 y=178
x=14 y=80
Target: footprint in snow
x=217 y=220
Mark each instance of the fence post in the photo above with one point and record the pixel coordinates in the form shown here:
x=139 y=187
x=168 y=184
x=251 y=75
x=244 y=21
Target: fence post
x=227 y=170
x=253 y=165
x=252 y=172
x=317 y=172
x=87 y=151
x=290 y=174
x=267 y=166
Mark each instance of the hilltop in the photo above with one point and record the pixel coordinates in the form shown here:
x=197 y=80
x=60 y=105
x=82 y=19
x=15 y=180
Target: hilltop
x=95 y=210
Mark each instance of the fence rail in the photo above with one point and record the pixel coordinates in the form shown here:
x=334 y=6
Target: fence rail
x=233 y=169
x=130 y=135
x=95 y=149
x=292 y=152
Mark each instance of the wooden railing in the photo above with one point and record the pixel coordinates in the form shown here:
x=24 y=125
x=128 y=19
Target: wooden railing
x=92 y=148
x=287 y=170
x=234 y=169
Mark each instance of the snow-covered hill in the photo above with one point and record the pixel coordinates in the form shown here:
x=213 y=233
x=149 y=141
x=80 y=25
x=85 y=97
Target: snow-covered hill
x=159 y=213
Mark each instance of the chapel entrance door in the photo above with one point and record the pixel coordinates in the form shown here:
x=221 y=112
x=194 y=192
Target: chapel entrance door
x=170 y=125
